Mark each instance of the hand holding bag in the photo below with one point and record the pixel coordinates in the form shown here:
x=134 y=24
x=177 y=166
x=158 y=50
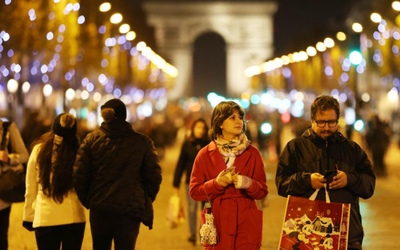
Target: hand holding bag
x=208 y=232
x=313 y=224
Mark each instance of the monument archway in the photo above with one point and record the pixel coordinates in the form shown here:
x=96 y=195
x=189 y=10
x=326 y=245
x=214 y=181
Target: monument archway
x=209 y=65
x=246 y=27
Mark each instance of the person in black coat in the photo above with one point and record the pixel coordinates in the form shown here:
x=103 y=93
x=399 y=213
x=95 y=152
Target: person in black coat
x=117 y=176
x=304 y=160
x=197 y=140
x=378 y=141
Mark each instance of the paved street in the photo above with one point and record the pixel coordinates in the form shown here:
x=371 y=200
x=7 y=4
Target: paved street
x=381 y=217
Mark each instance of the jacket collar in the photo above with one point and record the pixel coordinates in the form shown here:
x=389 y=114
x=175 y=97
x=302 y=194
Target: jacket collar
x=218 y=160
x=116 y=128
x=333 y=138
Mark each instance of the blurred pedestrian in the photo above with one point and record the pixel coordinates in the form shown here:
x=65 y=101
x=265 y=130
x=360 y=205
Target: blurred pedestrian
x=13 y=154
x=117 y=176
x=378 y=142
x=52 y=208
x=229 y=174
x=33 y=128
x=304 y=160
x=197 y=140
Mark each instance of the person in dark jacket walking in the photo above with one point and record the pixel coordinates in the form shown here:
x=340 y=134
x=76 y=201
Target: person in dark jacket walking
x=197 y=140
x=305 y=159
x=378 y=141
x=117 y=176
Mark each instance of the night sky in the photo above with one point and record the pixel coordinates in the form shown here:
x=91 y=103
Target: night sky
x=297 y=23
x=301 y=23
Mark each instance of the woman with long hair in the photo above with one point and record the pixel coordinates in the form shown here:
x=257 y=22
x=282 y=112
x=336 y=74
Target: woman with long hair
x=197 y=140
x=229 y=174
x=52 y=208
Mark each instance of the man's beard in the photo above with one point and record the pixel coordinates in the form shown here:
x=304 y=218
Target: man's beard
x=326 y=133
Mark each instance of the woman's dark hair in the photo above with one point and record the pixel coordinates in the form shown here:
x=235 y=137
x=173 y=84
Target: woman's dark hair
x=62 y=168
x=324 y=102
x=220 y=113
x=205 y=128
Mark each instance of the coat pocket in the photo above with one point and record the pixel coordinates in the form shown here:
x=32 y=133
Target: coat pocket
x=253 y=222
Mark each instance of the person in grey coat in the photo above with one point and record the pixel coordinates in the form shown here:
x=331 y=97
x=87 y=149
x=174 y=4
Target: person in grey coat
x=117 y=176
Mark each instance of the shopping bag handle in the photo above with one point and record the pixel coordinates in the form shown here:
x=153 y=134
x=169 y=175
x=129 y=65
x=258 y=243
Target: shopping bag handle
x=314 y=195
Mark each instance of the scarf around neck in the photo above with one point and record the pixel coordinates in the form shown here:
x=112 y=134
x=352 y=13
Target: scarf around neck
x=234 y=147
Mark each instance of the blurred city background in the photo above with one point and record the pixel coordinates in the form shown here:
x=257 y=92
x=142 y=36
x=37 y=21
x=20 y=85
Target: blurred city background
x=172 y=61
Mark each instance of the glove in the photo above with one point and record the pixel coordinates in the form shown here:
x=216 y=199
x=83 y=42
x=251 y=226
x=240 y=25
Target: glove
x=224 y=178
x=28 y=225
x=242 y=181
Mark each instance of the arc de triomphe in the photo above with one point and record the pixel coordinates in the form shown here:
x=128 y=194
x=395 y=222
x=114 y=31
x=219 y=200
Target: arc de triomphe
x=246 y=26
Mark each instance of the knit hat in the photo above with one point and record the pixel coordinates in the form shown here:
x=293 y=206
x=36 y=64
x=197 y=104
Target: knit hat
x=65 y=126
x=118 y=106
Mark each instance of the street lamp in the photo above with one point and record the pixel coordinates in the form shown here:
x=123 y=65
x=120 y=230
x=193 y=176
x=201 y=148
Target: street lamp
x=341 y=36
x=104 y=7
x=376 y=18
x=12 y=87
x=70 y=94
x=357 y=27
x=329 y=43
x=311 y=51
x=116 y=18
x=321 y=46
x=355 y=57
x=47 y=90
x=396 y=5
x=25 y=87
x=130 y=36
x=124 y=28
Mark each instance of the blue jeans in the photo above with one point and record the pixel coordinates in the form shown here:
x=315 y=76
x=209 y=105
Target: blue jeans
x=107 y=226
x=192 y=214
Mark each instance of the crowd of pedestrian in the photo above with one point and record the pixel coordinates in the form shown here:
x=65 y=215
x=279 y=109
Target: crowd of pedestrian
x=114 y=171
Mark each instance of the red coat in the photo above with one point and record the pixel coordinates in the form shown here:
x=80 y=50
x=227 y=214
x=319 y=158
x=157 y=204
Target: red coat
x=237 y=218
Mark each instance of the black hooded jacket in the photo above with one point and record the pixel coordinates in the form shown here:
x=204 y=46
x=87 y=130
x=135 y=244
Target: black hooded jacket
x=310 y=153
x=117 y=169
x=189 y=151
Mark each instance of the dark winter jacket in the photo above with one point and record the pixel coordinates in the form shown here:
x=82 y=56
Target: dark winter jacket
x=189 y=151
x=117 y=169
x=309 y=154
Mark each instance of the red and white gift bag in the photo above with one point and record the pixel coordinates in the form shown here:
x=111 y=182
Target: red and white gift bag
x=311 y=224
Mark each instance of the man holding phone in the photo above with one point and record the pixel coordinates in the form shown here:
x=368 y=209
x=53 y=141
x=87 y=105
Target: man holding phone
x=323 y=156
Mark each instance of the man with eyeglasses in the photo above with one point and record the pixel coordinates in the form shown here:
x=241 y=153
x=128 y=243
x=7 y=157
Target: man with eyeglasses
x=305 y=160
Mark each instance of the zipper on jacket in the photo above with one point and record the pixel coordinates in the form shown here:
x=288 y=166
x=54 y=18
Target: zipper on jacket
x=327 y=156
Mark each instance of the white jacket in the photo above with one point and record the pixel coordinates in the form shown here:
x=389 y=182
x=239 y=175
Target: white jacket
x=44 y=211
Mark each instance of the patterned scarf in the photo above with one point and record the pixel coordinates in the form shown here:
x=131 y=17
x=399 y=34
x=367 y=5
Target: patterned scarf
x=234 y=147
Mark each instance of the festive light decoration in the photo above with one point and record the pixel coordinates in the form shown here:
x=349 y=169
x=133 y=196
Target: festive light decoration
x=345 y=65
x=69 y=37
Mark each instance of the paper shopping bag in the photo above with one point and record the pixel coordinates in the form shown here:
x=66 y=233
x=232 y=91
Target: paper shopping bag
x=175 y=214
x=313 y=224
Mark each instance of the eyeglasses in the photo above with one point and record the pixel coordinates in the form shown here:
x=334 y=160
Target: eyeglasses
x=331 y=123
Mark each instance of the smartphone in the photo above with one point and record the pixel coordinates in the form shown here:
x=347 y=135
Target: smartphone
x=329 y=176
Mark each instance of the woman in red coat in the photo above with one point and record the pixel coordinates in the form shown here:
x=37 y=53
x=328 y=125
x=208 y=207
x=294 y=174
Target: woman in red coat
x=229 y=173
